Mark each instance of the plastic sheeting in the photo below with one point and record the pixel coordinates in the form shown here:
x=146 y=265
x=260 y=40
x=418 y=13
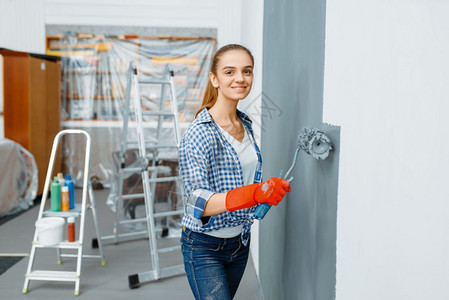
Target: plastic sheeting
x=18 y=185
x=94 y=78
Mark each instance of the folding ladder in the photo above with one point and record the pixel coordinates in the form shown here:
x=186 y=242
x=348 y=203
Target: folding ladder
x=149 y=149
x=78 y=212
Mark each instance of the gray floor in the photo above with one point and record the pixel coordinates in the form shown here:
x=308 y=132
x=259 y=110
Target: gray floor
x=97 y=282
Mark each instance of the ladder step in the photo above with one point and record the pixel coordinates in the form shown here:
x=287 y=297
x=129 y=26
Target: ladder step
x=158 y=179
x=151 y=145
x=132 y=196
x=130 y=170
x=154 y=81
x=75 y=212
x=158 y=113
x=83 y=256
x=131 y=221
x=164 y=273
x=52 y=275
x=155 y=113
x=155 y=215
x=138 y=169
x=123 y=237
x=168 y=213
x=169 y=249
x=165 y=179
x=63 y=245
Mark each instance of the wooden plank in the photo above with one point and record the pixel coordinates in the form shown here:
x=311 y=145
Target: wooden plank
x=38 y=117
x=16 y=91
x=53 y=110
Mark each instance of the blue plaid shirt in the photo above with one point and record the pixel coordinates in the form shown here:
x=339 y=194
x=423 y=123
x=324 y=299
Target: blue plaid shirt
x=208 y=165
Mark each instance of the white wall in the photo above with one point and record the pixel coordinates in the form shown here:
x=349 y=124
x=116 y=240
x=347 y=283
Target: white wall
x=229 y=22
x=169 y=13
x=386 y=84
x=22 y=28
x=22 y=25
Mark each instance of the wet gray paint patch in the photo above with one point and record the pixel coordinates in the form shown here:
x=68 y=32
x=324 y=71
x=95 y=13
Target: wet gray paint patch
x=298 y=237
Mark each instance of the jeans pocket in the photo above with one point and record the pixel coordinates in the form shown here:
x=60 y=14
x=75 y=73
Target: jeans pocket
x=201 y=242
x=237 y=250
x=202 y=247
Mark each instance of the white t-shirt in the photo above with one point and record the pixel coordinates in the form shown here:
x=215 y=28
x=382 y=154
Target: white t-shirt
x=248 y=161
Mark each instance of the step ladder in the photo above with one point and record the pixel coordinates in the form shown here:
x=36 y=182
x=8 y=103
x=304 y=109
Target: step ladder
x=150 y=149
x=78 y=212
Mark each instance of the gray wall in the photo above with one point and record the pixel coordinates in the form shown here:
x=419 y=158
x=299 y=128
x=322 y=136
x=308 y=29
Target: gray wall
x=298 y=237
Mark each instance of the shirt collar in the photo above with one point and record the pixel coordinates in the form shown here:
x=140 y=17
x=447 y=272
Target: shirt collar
x=205 y=117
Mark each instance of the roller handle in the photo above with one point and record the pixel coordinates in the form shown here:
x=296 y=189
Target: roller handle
x=263 y=208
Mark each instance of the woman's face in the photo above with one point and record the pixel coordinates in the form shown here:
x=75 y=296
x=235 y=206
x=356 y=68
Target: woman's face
x=234 y=76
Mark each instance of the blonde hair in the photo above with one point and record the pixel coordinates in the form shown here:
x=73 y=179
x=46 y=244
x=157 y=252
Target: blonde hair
x=211 y=92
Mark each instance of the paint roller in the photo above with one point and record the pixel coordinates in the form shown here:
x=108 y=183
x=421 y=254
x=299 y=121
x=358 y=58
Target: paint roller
x=313 y=142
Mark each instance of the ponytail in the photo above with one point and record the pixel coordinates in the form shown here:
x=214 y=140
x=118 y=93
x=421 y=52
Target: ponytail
x=209 y=98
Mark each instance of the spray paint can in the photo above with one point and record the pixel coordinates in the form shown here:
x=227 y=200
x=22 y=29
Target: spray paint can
x=65 y=198
x=70 y=184
x=55 y=195
x=71 y=229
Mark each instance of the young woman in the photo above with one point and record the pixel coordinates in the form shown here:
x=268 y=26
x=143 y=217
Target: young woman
x=221 y=168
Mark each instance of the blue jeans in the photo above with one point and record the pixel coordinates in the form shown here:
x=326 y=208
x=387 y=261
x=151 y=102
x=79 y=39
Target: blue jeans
x=214 y=266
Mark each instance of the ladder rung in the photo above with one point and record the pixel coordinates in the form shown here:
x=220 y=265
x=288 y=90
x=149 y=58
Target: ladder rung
x=83 y=256
x=158 y=113
x=91 y=256
x=75 y=212
x=63 y=245
x=163 y=273
x=155 y=215
x=151 y=145
x=68 y=255
x=168 y=213
x=130 y=221
x=131 y=170
x=123 y=237
x=137 y=169
x=136 y=142
x=154 y=81
x=52 y=275
x=154 y=113
x=169 y=249
x=132 y=196
x=165 y=179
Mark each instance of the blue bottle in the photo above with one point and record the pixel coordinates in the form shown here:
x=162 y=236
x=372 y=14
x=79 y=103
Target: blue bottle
x=69 y=183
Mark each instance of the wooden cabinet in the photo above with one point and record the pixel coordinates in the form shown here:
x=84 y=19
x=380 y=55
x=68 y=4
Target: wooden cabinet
x=31 y=104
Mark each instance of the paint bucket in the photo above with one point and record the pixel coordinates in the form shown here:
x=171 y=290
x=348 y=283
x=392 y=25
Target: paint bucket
x=50 y=230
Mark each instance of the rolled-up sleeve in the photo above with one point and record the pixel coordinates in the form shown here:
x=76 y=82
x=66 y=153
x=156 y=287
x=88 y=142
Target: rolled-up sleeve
x=194 y=166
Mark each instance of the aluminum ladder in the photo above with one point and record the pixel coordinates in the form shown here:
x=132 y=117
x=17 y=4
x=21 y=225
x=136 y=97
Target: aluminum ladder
x=149 y=149
x=78 y=212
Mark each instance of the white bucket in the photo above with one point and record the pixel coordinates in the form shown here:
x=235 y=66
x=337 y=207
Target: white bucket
x=50 y=230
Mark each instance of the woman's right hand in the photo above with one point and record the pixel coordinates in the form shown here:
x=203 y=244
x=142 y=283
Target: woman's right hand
x=271 y=191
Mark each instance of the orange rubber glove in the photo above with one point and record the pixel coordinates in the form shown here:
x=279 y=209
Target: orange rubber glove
x=271 y=191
